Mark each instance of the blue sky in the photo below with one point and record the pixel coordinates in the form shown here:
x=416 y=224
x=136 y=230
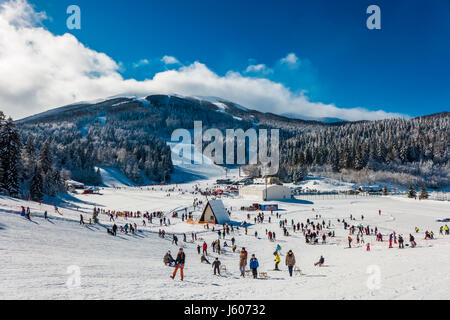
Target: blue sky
x=402 y=68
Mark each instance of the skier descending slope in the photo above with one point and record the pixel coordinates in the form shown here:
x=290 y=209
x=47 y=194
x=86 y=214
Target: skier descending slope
x=179 y=263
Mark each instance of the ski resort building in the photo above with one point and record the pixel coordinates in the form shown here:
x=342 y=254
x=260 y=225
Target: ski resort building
x=92 y=190
x=215 y=212
x=263 y=192
x=72 y=184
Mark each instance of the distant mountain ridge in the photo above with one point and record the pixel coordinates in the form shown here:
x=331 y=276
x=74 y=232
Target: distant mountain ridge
x=204 y=103
x=322 y=119
x=129 y=133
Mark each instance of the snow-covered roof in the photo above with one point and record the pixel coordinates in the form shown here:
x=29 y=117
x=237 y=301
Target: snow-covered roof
x=74 y=183
x=219 y=211
x=263 y=186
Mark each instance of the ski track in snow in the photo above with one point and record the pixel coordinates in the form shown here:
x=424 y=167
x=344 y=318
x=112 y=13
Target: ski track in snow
x=35 y=255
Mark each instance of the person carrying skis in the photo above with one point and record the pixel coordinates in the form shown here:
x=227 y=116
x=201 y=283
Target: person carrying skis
x=290 y=261
x=216 y=265
x=179 y=263
x=242 y=261
x=254 y=266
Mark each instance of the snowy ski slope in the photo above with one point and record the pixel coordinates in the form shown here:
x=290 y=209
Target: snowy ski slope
x=35 y=255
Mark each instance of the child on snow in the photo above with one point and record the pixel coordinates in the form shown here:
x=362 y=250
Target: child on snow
x=168 y=259
x=254 y=266
x=320 y=262
x=277 y=260
x=203 y=259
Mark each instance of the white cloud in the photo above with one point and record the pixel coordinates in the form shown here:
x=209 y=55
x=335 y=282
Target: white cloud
x=291 y=59
x=169 y=60
x=39 y=71
x=141 y=63
x=258 y=68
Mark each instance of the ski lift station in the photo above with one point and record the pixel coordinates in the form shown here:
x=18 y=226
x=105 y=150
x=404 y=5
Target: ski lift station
x=265 y=193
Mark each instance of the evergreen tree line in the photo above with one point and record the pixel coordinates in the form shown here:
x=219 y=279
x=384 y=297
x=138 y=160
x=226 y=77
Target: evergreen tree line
x=25 y=171
x=128 y=134
x=140 y=156
x=396 y=145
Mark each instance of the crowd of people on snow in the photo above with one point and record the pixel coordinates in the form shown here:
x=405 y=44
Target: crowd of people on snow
x=314 y=232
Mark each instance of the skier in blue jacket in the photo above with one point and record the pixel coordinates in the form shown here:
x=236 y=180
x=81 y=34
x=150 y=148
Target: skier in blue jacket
x=254 y=266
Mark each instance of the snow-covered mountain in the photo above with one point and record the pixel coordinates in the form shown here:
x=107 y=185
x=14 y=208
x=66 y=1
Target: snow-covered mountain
x=323 y=119
x=188 y=104
x=130 y=134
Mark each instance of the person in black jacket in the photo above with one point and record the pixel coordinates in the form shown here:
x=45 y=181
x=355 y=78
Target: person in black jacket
x=216 y=265
x=179 y=263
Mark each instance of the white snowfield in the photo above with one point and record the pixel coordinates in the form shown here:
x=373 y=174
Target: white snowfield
x=40 y=259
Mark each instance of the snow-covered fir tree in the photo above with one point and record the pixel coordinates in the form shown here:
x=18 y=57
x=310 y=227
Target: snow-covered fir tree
x=423 y=193
x=411 y=192
x=10 y=148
